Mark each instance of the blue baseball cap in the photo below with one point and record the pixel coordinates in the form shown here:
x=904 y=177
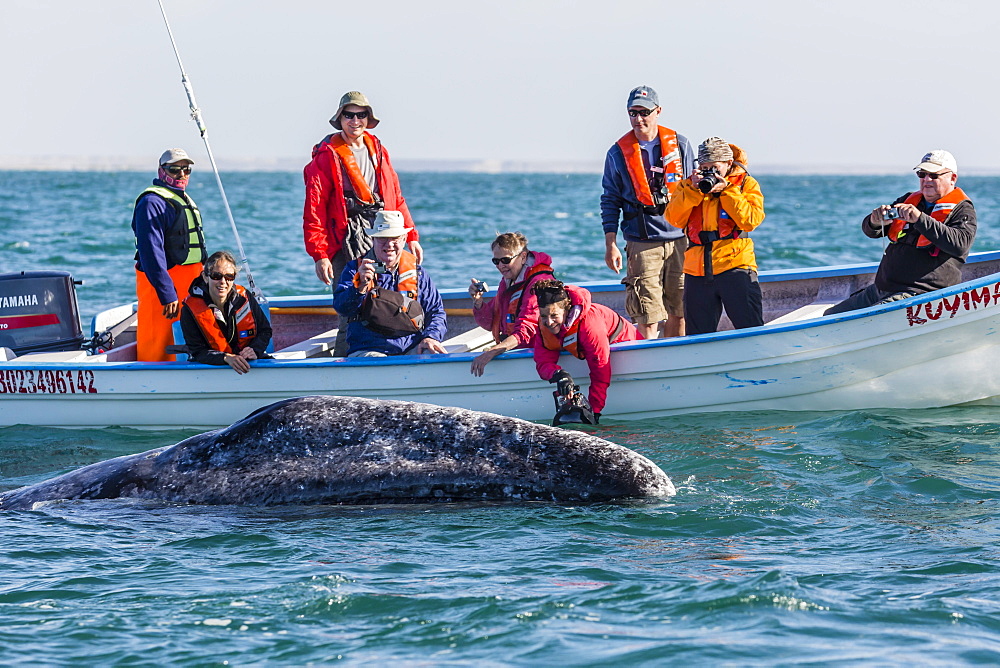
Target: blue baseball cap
x=643 y=96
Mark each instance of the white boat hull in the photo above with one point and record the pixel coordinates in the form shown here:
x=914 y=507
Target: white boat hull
x=932 y=350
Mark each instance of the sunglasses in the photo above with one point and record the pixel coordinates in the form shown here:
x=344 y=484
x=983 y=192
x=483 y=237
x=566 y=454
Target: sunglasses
x=177 y=169
x=218 y=276
x=497 y=261
x=928 y=175
x=639 y=112
x=354 y=114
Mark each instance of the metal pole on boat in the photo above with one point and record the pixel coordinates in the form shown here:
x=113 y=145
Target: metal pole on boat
x=196 y=116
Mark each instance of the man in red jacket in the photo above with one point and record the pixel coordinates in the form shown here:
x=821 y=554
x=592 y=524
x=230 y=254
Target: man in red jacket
x=348 y=179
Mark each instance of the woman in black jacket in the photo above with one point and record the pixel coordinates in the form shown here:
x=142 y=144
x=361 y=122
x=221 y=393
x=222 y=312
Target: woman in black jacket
x=221 y=321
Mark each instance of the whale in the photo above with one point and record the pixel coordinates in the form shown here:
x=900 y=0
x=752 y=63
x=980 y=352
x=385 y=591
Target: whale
x=351 y=450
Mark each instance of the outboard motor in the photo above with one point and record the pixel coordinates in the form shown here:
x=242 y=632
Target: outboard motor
x=38 y=312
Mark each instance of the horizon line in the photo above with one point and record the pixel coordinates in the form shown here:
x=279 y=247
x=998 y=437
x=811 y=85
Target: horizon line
x=69 y=163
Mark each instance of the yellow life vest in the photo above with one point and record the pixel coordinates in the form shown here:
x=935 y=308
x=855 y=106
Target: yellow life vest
x=183 y=241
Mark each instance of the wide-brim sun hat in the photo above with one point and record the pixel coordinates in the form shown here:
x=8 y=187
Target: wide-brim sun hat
x=358 y=98
x=388 y=224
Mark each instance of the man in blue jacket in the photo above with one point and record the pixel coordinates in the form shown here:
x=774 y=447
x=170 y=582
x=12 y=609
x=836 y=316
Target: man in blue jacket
x=641 y=171
x=388 y=300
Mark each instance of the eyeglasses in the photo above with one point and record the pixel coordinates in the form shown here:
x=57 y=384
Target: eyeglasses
x=640 y=112
x=928 y=175
x=506 y=260
x=177 y=169
x=218 y=276
x=354 y=114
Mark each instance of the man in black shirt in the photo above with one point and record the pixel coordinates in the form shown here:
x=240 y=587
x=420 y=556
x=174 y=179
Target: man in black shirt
x=930 y=233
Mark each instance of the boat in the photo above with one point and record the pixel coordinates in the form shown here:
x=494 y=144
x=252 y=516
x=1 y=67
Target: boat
x=926 y=351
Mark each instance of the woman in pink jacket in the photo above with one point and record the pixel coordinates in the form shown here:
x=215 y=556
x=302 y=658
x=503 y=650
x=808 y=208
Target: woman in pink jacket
x=512 y=315
x=568 y=320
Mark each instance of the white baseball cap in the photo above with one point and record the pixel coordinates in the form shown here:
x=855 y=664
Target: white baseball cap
x=937 y=161
x=172 y=155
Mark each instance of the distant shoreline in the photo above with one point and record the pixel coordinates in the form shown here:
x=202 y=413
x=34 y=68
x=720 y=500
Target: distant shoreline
x=133 y=164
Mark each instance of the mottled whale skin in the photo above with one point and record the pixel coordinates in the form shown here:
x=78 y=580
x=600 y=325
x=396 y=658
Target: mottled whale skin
x=348 y=450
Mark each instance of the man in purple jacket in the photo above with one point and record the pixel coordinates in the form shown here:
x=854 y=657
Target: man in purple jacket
x=170 y=250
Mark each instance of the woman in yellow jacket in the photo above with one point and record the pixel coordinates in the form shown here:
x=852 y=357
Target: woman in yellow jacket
x=717 y=207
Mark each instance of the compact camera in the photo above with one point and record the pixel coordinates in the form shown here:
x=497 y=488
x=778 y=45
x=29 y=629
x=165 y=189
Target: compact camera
x=380 y=267
x=892 y=213
x=480 y=286
x=709 y=179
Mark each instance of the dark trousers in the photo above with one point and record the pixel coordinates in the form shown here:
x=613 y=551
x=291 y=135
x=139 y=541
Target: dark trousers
x=340 y=345
x=737 y=290
x=866 y=297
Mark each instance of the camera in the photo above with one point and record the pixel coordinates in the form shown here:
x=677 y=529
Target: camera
x=481 y=286
x=380 y=267
x=709 y=179
x=892 y=213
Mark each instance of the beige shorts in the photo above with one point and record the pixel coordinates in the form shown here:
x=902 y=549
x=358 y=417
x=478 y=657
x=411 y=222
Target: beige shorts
x=654 y=280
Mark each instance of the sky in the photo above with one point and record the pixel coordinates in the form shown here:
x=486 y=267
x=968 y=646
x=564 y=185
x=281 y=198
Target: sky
x=800 y=83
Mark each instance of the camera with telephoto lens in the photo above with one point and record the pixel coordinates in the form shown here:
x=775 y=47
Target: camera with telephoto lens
x=709 y=179
x=892 y=213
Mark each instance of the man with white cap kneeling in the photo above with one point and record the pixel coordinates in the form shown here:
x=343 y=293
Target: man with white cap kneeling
x=388 y=300
x=930 y=234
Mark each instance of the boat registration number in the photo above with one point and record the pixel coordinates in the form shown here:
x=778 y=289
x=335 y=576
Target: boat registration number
x=47 y=381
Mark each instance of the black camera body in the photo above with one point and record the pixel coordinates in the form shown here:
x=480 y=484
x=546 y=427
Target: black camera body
x=709 y=179
x=380 y=267
x=573 y=408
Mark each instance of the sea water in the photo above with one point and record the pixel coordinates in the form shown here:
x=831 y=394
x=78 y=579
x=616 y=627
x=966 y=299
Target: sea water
x=849 y=537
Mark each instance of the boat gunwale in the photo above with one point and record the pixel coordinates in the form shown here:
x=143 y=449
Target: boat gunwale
x=411 y=360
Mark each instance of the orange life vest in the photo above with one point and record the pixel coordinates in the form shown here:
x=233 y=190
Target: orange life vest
x=204 y=314
x=670 y=164
x=724 y=226
x=346 y=155
x=940 y=212
x=406 y=280
x=570 y=341
x=514 y=305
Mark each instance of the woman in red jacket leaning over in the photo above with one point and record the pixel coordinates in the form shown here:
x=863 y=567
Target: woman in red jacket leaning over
x=568 y=320
x=512 y=315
